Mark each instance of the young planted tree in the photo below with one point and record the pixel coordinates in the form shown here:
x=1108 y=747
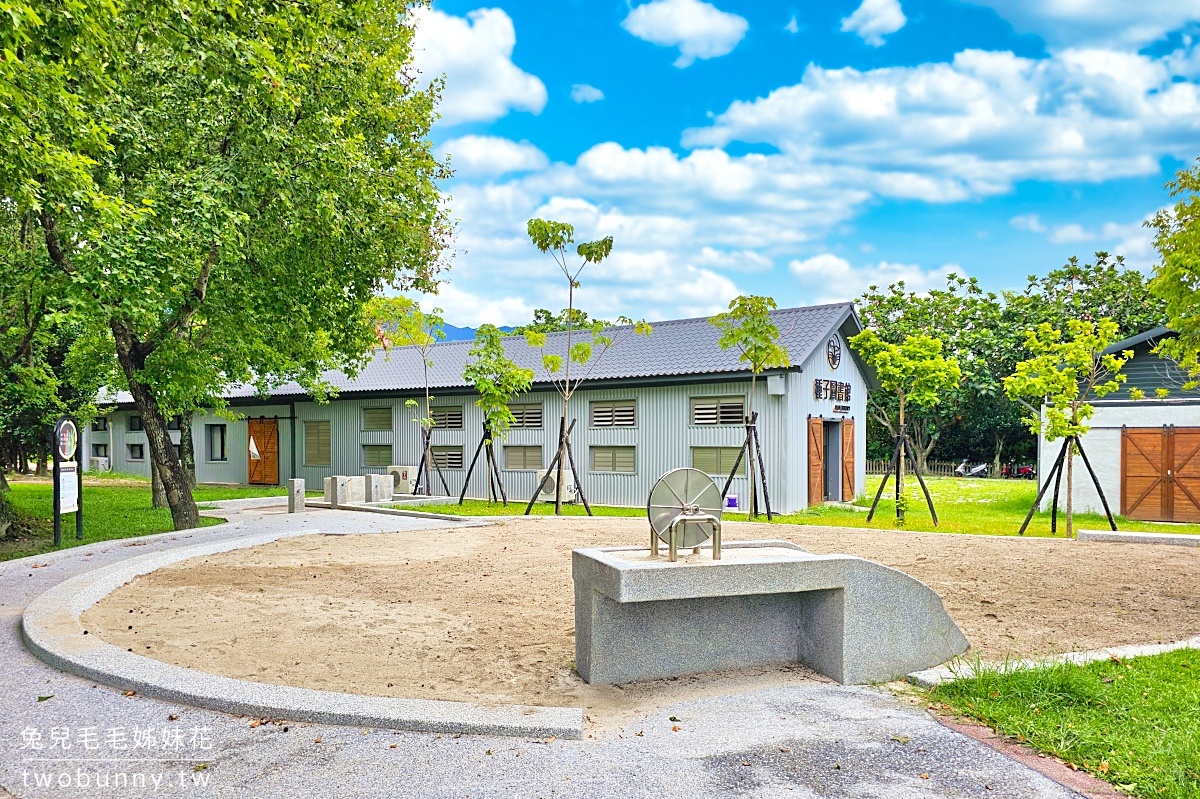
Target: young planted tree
x=554 y=238
x=748 y=328
x=497 y=379
x=277 y=163
x=1065 y=372
x=401 y=322
x=917 y=374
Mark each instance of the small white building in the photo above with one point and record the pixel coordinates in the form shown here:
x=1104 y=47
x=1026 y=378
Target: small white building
x=1146 y=453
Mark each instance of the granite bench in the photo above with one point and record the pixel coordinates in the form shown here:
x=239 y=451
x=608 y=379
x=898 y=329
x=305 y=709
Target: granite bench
x=764 y=603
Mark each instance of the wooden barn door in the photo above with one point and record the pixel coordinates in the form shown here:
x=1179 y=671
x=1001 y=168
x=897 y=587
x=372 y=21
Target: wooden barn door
x=816 y=461
x=1184 y=474
x=1160 y=474
x=848 y=487
x=263 y=446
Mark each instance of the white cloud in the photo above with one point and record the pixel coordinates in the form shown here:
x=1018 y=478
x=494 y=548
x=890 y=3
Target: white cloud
x=468 y=309
x=583 y=93
x=830 y=278
x=793 y=26
x=1134 y=241
x=698 y=29
x=475 y=54
x=490 y=156
x=875 y=19
x=1115 y=23
x=976 y=125
x=1065 y=234
x=1029 y=222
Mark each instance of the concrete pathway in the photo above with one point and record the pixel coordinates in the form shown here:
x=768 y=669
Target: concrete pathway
x=799 y=741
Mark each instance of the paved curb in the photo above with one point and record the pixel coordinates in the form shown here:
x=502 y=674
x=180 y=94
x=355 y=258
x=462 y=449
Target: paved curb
x=935 y=676
x=1111 y=537
x=52 y=630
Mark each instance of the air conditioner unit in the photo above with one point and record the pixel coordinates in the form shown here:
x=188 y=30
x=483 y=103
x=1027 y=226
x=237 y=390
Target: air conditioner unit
x=405 y=478
x=568 y=489
x=98 y=464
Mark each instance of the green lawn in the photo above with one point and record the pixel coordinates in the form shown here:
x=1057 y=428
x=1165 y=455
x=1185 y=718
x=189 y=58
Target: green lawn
x=112 y=508
x=969 y=505
x=1134 y=723
x=991 y=507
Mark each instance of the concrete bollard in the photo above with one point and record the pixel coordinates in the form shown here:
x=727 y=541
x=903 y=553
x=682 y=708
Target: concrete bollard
x=379 y=487
x=295 y=496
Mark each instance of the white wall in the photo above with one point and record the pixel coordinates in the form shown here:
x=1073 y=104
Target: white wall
x=1102 y=443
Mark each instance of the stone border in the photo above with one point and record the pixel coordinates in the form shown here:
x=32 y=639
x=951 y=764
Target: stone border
x=1117 y=537
x=930 y=678
x=52 y=630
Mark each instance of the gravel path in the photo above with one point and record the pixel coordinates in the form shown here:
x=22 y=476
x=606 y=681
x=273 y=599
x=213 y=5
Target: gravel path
x=807 y=740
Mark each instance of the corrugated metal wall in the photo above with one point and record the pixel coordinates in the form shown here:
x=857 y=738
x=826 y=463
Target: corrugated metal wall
x=663 y=437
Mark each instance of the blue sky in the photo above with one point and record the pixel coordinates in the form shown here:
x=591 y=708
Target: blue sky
x=801 y=151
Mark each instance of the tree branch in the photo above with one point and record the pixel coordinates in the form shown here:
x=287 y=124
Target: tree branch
x=178 y=322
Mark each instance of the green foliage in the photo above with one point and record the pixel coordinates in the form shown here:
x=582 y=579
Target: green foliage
x=1065 y=372
x=747 y=327
x=1131 y=722
x=496 y=378
x=1177 y=278
x=915 y=370
x=553 y=238
x=400 y=321
x=546 y=321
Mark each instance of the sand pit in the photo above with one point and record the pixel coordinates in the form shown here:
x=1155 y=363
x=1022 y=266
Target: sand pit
x=485 y=614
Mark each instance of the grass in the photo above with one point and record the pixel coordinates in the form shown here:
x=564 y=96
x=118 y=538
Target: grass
x=1134 y=723
x=112 y=508
x=968 y=505
x=990 y=507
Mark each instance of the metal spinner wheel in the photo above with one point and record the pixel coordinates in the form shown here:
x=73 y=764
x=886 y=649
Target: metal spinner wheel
x=684 y=511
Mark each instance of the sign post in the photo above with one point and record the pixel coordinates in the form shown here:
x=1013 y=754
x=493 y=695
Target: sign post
x=68 y=478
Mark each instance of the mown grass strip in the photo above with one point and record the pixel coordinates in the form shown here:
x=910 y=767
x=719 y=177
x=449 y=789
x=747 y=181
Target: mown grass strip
x=1134 y=723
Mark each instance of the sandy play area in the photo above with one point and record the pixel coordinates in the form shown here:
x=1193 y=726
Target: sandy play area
x=486 y=613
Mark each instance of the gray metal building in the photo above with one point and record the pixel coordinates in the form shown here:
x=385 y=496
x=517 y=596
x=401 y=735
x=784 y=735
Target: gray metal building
x=648 y=405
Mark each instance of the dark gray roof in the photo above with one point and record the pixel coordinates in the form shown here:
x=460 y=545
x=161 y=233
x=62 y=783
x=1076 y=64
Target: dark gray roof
x=1141 y=338
x=676 y=348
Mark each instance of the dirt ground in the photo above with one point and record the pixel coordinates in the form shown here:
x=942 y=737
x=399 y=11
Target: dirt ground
x=486 y=613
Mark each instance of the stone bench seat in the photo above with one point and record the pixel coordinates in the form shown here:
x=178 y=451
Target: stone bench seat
x=764 y=603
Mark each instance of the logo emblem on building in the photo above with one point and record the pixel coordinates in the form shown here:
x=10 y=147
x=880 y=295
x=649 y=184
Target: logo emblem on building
x=833 y=352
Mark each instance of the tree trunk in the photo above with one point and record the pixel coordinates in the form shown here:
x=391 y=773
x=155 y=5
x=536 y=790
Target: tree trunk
x=40 y=469
x=996 y=456
x=158 y=494
x=562 y=457
x=187 y=448
x=752 y=505
x=4 y=489
x=1071 y=490
x=900 y=469
x=131 y=356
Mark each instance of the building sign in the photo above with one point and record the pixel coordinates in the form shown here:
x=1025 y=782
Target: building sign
x=831 y=390
x=841 y=409
x=833 y=352
x=68 y=487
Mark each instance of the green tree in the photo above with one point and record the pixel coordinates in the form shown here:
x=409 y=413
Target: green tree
x=497 y=379
x=747 y=327
x=1177 y=279
x=545 y=321
x=278 y=158
x=1064 y=373
x=916 y=372
x=554 y=238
